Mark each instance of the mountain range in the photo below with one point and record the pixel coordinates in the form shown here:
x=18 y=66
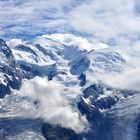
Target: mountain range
x=63 y=87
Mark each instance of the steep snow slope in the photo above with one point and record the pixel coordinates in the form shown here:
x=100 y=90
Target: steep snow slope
x=69 y=81
x=98 y=62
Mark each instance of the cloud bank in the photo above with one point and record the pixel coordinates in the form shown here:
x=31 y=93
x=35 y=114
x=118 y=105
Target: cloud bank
x=129 y=76
x=54 y=103
x=112 y=22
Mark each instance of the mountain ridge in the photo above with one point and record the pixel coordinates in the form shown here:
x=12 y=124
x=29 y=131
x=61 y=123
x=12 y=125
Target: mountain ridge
x=86 y=80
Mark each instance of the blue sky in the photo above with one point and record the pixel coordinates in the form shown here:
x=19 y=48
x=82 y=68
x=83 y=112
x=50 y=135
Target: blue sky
x=114 y=22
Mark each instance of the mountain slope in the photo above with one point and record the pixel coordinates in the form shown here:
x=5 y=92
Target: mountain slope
x=9 y=74
x=62 y=84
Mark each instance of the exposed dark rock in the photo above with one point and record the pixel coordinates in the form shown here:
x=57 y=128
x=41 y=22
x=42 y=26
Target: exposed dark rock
x=82 y=79
x=8 y=68
x=55 y=132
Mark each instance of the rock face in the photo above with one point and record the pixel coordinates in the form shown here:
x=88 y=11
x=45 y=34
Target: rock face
x=55 y=132
x=99 y=97
x=10 y=76
x=14 y=128
x=102 y=96
x=138 y=131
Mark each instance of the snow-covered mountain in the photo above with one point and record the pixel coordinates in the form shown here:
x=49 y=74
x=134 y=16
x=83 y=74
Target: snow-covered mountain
x=9 y=74
x=61 y=86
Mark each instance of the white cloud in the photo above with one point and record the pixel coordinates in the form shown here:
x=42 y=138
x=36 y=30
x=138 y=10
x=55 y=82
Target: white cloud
x=14 y=42
x=129 y=77
x=31 y=17
x=71 y=40
x=102 y=20
x=106 y=19
x=54 y=103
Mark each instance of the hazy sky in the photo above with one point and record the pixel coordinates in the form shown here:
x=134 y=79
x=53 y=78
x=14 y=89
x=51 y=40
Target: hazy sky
x=112 y=22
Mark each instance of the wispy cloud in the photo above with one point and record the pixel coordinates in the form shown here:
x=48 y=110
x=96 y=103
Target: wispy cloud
x=32 y=17
x=108 y=20
x=129 y=77
x=113 y=22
